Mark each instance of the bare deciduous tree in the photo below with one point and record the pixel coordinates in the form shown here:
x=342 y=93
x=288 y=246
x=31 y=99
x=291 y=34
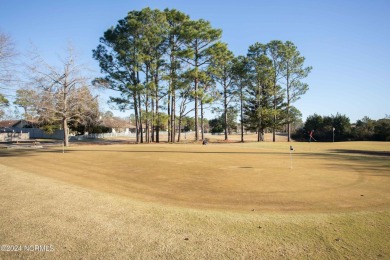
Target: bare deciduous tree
x=7 y=60
x=7 y=64
x=62 y=91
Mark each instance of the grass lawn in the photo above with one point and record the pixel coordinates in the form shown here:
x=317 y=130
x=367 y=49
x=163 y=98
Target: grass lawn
x=236 y=200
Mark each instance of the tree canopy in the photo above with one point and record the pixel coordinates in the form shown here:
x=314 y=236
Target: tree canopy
x=152 y=56
x=340 y=128
x=163 y=61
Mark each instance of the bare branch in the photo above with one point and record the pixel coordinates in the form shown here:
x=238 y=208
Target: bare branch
x=64 y=94
x=7 y=61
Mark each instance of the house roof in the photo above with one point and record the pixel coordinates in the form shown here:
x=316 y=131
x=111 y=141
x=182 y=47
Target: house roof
x=8 y=123
x=13 y=123
x=115 y=122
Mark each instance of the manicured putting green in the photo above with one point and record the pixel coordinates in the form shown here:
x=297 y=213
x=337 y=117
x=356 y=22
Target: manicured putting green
x=318 y=177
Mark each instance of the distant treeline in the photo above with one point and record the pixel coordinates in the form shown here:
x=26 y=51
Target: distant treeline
x=339 y=128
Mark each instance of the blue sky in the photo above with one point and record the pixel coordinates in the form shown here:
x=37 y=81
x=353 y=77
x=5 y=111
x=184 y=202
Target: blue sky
x=346 y=42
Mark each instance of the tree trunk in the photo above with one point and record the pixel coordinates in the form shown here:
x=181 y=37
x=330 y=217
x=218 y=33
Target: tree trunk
x=147 y=95
x=136 y=117
x=171 y=134
x=171 y=91
x=157 y=113
x=196 y=93
x=242 y=116
x=225 y=113
x=288 y=123
x=201 y=119
x=174 y=116
x=65 y=89
x=259 y=131
x=288 y=107
x=196 y=110
x=181 y=115
x=147 y=134
x=152 y=127
x=274 y=119
x=66 y=131
x=140 y=118
x=179 y=133
x=169 y=114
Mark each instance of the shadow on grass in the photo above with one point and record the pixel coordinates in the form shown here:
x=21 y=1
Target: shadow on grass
x=181 y=152
x=31 y=152
x=374 y=163
x=23 y=152
x=361 y=152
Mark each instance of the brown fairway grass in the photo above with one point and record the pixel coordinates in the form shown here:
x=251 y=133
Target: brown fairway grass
x=192 y=201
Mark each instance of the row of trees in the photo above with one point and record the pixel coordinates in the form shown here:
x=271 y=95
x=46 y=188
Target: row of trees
x=339 y=128
x=163 y=58
x=164 y=61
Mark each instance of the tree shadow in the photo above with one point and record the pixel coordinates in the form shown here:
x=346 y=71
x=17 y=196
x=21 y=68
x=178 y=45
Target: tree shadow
x=372 y=162
x=361 y=152
x=23 y=152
